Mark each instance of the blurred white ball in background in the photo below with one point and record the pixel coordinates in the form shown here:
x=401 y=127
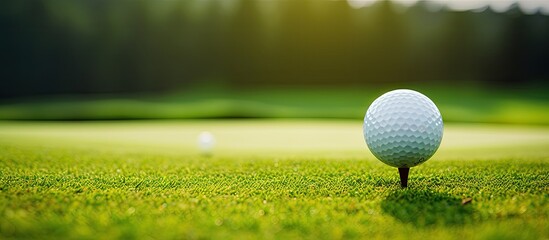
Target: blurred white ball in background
x=206 y=143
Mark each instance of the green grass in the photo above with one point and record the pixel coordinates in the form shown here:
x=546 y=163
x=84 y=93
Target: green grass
x=457 y=104
x=267 y=179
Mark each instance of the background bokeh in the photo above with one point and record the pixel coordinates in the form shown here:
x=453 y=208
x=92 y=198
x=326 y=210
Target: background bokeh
x=102 y=59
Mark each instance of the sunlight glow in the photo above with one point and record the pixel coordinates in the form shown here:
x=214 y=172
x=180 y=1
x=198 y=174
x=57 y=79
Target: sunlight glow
x=465 y=5
x=406 y=3
x=533 y=6
x=360 y=3
x=500 y=5
x=527 y=6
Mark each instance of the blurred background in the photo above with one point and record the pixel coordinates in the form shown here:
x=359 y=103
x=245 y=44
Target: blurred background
x=480 y=61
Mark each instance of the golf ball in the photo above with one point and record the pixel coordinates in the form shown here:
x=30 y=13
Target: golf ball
x=206 y=142
x=403 y=128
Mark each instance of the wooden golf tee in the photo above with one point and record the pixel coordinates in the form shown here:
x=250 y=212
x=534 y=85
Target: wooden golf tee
x=403 y=176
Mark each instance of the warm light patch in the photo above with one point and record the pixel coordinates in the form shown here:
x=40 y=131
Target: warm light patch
x=527 y=6
x=360 y=3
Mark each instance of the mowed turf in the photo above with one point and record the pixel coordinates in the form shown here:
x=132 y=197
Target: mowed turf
x=267 y=179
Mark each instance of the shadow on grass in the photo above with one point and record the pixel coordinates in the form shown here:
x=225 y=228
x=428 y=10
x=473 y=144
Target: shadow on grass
x=426 y=208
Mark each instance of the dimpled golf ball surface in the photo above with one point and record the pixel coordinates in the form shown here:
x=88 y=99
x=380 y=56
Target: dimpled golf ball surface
x=403 y=128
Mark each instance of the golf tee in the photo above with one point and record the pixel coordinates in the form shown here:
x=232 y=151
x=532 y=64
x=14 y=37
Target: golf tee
x=403 y=176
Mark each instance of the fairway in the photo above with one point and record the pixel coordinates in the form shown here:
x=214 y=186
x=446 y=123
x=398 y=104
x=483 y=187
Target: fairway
x=266 y=179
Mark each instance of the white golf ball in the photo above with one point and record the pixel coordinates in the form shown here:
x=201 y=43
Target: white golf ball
x=403 y=128
x=206 y=143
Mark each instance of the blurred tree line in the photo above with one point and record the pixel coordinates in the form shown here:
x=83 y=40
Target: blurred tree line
x=106 y=46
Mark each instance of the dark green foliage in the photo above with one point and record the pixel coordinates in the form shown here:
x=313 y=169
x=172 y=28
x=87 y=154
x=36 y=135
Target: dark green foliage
x=92 y=46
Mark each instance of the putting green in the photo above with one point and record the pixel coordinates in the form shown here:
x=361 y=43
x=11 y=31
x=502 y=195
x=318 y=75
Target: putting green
x=266 y=179
x=257 y=136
